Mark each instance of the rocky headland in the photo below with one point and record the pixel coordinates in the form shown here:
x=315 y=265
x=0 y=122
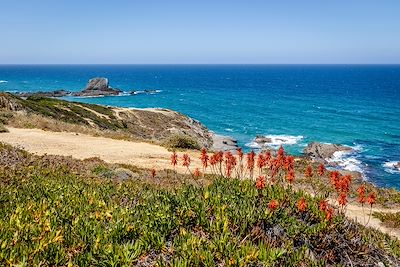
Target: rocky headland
x=153 y=125
x=320 y=152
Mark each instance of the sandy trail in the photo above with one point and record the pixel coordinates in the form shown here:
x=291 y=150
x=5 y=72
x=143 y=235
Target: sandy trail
x=140 y=154
x=83 y=146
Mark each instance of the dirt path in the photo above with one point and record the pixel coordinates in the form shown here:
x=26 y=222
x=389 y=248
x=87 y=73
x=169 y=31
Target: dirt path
x=83 y=146
x=361 y=215
x=140 y=154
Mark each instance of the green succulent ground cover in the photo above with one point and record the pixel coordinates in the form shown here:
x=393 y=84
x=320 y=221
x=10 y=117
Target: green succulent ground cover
x=59 y=211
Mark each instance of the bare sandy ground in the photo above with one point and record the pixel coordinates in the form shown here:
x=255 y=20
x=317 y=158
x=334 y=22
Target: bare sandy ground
x=136 y=153
x=83 y=146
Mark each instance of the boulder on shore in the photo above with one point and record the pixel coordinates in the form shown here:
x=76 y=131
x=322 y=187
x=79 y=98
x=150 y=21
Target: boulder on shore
x=224 y=143
x=98 y=87
x=320 y=152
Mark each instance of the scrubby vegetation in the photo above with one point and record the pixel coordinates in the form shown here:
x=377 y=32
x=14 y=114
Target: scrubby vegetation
x=181 y=142
x=61 y=211
x=390 y=219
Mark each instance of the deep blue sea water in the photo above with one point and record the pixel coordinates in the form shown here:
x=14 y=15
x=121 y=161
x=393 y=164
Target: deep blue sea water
x=348 y=104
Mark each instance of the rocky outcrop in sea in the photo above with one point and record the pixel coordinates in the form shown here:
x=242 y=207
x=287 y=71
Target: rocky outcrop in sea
x=321 y=152
x=98 y=87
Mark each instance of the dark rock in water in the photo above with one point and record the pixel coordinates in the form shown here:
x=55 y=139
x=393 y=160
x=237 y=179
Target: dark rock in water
x=224 y=143
x=397 y=165
x=98 y=87
x=320 y=152
x=261 y=140
x=56 y=93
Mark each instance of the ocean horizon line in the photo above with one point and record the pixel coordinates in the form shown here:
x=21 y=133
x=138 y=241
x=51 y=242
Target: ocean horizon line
x=200 y=64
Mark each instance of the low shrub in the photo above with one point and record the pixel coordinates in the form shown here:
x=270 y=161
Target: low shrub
x=181 y=141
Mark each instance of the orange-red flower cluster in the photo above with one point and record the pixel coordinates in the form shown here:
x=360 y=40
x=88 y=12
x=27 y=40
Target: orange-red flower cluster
x=197 y=173
x=361 y=194
x=342 y=200
x=302 y=205
x=371 y=199
x=273 y=205
x=204 y=158
x=185 y=160
x=250 y=160
x=153 y=173
x=289 y=163
x=321 y=169
x=230 y=163
x=174 y=159
x=309 y=172
x=261 y=161
x=260 y=183
x=240 y=153
x=290 y=176
x=325 y=208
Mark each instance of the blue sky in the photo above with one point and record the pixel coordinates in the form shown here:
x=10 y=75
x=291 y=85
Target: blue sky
x=205 y=32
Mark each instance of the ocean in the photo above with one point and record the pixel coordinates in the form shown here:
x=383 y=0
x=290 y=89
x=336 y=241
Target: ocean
x=355 y=105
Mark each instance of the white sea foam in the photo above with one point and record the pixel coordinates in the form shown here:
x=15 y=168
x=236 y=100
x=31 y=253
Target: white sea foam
x=390 y=167
x=3 y=81
x=276 y=141
x=253 y=145
x=347 y=160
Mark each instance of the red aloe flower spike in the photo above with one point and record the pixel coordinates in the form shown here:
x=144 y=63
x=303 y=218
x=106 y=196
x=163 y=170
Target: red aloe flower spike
x=321 y=169
x=260 y=183
x=290 y=177
x=329 y=214
x=204 y=158
x=323 y=205
x=309 y=172
x=153 y=173
x=174 y=159
x=371 y=199
x=302 y=205
x=197 y=173
x=250 y=162
x=342 y=199
x=361 y=194
x=186 y=160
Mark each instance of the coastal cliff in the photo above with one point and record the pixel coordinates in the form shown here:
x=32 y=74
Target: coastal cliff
x=154 y=125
